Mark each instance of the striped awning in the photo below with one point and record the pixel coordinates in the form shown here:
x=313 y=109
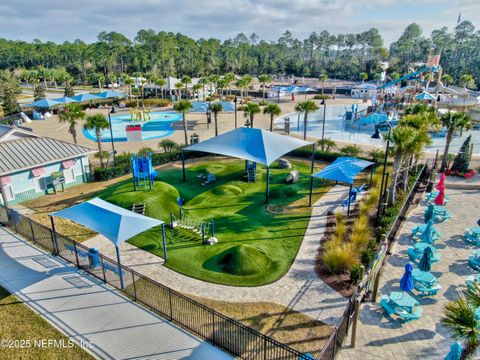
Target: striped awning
x=67 y=164
x=39 y=171
x=5 y=180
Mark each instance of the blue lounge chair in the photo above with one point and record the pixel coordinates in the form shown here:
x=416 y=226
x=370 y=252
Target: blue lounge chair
x=351 y=200
x=427 y=291
x=386 y=306
x=112 y=268
x=71 y=249
x=474 y=262
x=455 y=352
x=407 y=316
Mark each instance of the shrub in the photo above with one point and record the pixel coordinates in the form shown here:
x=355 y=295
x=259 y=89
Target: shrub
x=148 y=102
x=376 y=155
x=144 y=151
x=230 y=97
x=263 y=103
x=351 y=150
x=340 y=227
x=355 y=273
x=361 y=234
x=321 y=97
x=104 y=174
x=367 y=256
x=338 y=258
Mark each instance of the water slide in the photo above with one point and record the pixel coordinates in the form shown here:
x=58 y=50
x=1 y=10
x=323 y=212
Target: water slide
x=452 y=90
x=460 y=101
x=420 y=71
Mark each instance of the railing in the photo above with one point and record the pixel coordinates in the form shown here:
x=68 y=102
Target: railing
x=204 y=322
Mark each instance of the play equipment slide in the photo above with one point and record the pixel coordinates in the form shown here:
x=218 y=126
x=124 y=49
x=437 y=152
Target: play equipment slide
x=420 y=71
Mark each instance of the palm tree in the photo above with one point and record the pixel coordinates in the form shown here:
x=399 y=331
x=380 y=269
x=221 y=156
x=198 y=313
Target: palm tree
x=264 y=79
x=179 y=86
x=195 y=89
x=306 y=107
x=167 y=145
x=323 y=77
x=221 y=84
x=97 y=122
x=249 y=112
x=327 y=144
x=183 y=106
x=363 y=76
x=467 y=81
x=273 y=110
x=453 y=122
x=203 y=82
x=447 y=79
x=72 y=113
x=160 y=82
x=186 y=80
x=229 y=78
x=216 y=108
x=128 y=81
x=246 y=81
x=459 y=317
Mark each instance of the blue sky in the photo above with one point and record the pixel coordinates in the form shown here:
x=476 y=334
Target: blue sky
x=60 y=20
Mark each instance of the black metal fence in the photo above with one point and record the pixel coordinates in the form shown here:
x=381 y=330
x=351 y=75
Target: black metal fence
x=206 y=323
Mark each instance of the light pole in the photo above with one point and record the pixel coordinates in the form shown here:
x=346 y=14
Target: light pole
x=111 y=135
x=377 y=135
x=324 y=103
x=235 y=104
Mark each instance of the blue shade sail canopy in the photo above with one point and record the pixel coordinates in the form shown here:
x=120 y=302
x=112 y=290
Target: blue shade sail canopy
x=293 y=89
x=115 y=223
x=85 y=97
x=406 y=283
x=343 y=169
x=425 y=261
x=44 y=103
x=425 y=96
x=258 y=145
x=65 y=100
x=110 y=94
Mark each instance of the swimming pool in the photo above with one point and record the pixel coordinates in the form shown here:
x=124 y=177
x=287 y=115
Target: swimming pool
x=335 y=130
x=159 y=126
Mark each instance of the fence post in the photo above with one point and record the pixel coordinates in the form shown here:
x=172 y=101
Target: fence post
x=170 y=302
x=335 y=344
x=76 y=253
x=134 y=286
x=356 y=310
x=33 y=232
x=12 y=215
x=264 y=347
x=54 y=237
x=213 y=328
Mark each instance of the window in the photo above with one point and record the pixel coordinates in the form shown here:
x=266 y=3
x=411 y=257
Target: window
x=39 y=184
x=69 y=175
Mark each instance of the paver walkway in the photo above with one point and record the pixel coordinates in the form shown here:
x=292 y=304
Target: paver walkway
x=381 y=338
x=300 y=289
x=86 y=309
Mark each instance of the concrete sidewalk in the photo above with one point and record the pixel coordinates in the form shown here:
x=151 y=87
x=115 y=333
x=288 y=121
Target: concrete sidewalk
x=87 y=310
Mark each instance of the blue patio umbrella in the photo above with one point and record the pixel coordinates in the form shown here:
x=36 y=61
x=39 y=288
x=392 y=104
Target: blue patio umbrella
x=429 y=213
x=85 y=97
x=406 y=283
x=110 y=94
x=427 y=235
x=425 y=261
x=43 y=103
x=65 y=100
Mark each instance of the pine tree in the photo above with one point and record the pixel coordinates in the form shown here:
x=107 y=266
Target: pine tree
x=462 y=160
x=68 y=90
x=9 y=90
x=39 y=93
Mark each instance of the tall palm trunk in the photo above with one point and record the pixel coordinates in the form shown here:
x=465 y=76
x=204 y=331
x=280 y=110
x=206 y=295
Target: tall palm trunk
x=447 y=148
x=251 y=120
x=73 y=131
x=263 y=86
x=99 y=142
x=216 y=123
x=185 y=129
x=397 y=163
x=305 y=121
x=271 y=122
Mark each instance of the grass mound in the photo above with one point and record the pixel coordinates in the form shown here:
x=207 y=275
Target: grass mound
x=227 y=190
x=243 y=260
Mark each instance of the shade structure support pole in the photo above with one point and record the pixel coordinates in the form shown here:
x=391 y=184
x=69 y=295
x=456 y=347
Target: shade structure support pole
x=371 y=175
x=56 y=250
x=268 y=185
x=164 y=241
x=311 y=191
x=349 y=199
x=313 y=159
x=120 y=275
x=383 y=178
x=184 y=174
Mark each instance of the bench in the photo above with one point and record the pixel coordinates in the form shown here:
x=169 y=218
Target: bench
x=386 y=306
x=71 y=249
x=407 y=316
x=427 y=291
x=112 y=268
x=139 y=208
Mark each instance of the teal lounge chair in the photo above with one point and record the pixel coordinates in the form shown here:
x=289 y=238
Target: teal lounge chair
x=407 y=316
x=455 y=353
x=415 y=256
x=427 y=291
x=472 y=237
x=384 y=303
x=474 y=262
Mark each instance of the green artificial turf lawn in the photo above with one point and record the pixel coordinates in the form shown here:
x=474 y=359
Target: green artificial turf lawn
x=265 y=243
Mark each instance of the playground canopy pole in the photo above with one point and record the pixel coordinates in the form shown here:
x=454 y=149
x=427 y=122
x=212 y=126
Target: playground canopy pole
x=268 y=184
x=164 y=240
x=182 y=155
x=349 y=198
x=311 y=190
x=120 y=275
x=313 y=159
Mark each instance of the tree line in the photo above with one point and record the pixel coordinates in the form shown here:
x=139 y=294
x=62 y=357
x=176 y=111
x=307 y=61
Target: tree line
x=322 y=55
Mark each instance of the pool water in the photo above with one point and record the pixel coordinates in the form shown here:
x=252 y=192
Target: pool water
x=159 y=126
x=335 y=130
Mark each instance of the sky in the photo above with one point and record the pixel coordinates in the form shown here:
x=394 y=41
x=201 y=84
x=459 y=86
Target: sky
x=62 y=20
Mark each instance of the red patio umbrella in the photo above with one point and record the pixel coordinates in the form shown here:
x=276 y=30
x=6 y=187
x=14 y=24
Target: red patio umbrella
x=440 y=199
x=441 y=183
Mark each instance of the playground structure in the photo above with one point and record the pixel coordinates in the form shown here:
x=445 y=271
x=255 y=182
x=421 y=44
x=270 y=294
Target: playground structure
x=206 y=230
x=142 y=171
x=140 y=114
x=251 y=170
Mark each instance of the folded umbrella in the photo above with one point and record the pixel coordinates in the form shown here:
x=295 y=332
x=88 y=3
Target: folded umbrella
x=406 y=283
x=429 y=213
x=441 y=183
x=424 y=264
x=440 y=199
x=427 y=235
